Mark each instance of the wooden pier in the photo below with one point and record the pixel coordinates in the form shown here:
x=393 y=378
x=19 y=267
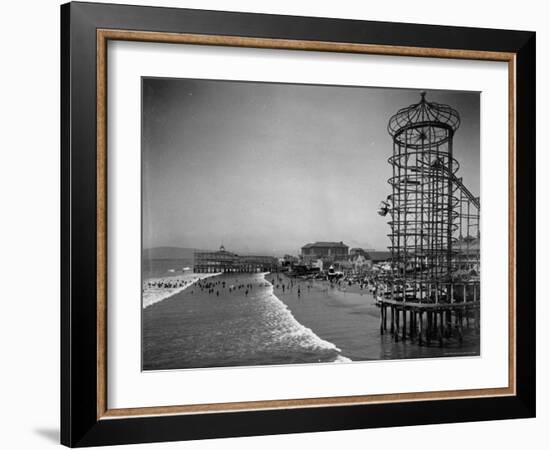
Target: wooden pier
x=223 y=261
x=425 y=323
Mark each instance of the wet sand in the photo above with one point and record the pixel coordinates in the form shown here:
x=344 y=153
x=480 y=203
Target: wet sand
x=347 y=319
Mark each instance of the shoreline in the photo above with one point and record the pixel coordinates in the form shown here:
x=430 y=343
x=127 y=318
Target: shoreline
x=234 y=320
x=347 y=318
x=340 y=358
x=151 y=295
x=248 y=319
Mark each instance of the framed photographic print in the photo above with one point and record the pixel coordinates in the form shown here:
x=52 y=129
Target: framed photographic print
x=276 y=224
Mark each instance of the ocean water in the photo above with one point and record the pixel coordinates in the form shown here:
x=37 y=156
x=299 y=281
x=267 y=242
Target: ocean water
x=351 y=321
x=219 y=326
x=156 y=268
x=248 y=319
x=165 y=278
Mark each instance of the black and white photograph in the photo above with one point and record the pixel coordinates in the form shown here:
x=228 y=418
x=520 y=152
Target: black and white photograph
x=275 y=225
x=303 y=224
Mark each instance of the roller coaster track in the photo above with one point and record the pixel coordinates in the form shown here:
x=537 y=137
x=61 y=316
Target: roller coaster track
x=458 y=182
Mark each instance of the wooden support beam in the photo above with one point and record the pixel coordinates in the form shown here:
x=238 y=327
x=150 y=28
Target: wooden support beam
x=460 y=330
x=420 y=326
x=397 y=313
x=428 y=326
x=404 y=324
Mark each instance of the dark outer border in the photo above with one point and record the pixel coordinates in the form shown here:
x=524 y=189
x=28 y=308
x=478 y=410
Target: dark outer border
x=79 y=424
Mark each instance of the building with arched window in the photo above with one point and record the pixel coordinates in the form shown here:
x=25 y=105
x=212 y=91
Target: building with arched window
x=225 y=261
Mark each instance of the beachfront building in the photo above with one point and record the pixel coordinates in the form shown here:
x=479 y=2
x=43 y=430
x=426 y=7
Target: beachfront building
x=224 y=261
x=317 y=264
x=360 y=251
x=288 y=260
x=259 y=263
x=325 y=250
x=379 y=256
x=218 y=261
x=360 y=262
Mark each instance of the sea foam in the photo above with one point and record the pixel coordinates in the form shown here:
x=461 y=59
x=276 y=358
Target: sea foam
x=302 y=335
x=151 y=294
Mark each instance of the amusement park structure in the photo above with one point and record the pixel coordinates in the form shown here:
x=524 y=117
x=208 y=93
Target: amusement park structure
x=432 y=293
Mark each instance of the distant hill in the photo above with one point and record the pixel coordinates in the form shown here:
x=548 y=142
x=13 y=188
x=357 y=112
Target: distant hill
x=169 y=253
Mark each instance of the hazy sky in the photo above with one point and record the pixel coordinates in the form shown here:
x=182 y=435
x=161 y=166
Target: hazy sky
x=269 y=167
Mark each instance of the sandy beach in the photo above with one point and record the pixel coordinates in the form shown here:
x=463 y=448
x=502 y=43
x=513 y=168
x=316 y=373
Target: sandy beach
x=348 y=318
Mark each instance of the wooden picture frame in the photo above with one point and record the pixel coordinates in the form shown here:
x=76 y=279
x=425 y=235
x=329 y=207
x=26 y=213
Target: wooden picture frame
x=86 y=418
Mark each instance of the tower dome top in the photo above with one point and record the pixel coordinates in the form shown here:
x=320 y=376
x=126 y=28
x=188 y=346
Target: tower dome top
x=431 y=121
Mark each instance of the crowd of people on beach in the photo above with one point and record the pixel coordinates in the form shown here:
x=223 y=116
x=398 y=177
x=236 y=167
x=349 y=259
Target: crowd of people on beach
x=288 y=285
x=155 y=290
x=169 y=283
x=344 y=284
x=282 y=283
x=218 y=287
